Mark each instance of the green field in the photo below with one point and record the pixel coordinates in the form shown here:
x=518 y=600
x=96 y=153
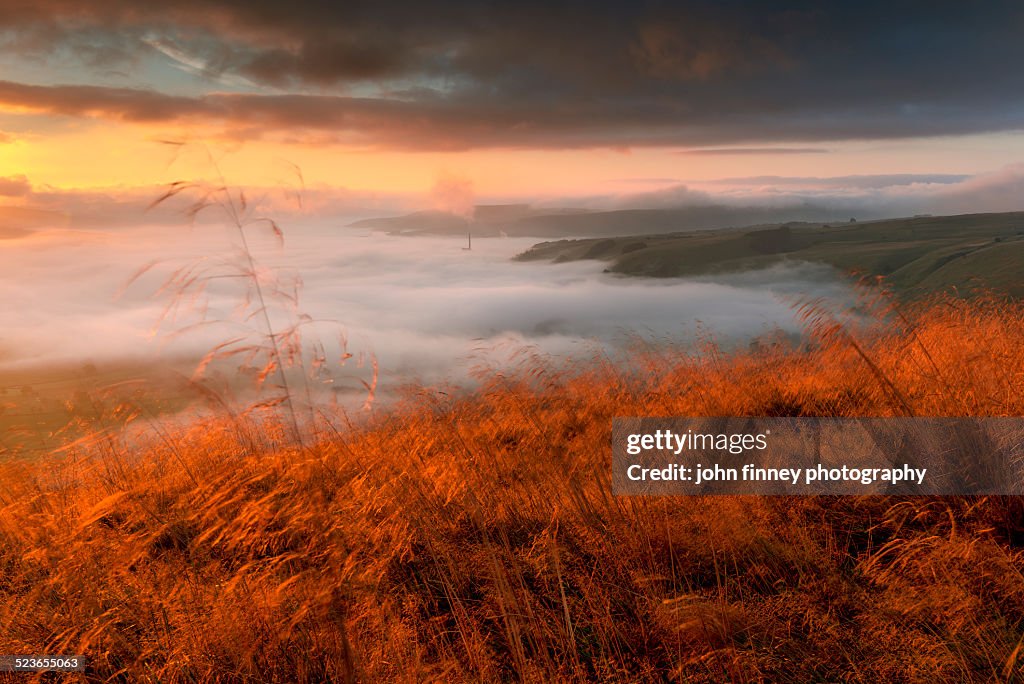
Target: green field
x=43 y=408
x=915 y=255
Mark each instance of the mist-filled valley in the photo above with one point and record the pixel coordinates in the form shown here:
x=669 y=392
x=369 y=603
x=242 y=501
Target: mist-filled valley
x=426 y=308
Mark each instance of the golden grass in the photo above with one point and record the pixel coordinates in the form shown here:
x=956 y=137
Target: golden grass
x=477 y=539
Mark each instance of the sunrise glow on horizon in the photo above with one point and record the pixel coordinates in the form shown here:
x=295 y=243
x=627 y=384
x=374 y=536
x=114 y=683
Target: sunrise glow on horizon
x=651 y=98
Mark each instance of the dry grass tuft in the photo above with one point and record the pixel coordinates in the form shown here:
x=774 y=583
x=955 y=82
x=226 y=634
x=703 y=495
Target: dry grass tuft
x=477 y=539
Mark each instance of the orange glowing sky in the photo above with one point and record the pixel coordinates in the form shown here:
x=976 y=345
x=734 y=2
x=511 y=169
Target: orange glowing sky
x=101 y=154
x=386 y=101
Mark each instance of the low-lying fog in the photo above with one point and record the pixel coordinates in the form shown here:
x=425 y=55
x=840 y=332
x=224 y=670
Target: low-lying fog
x=428 y=309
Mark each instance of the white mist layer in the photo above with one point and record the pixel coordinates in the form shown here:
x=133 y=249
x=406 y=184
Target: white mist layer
x=429 y=310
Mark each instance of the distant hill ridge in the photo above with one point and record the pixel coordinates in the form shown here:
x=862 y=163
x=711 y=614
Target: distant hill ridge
x=524 y=220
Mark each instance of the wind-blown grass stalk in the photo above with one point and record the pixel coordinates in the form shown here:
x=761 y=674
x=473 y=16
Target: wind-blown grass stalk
x=194 y=284
x=271 y=334
x=282 y=348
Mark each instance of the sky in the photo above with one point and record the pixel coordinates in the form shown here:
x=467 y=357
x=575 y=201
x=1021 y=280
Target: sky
x=367 y=105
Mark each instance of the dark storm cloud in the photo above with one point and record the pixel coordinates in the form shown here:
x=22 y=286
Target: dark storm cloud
x=567 y=74
x=120 y=103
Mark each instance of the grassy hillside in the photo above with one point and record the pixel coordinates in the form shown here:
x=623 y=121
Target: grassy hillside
x=923 y=254
x=476 y=538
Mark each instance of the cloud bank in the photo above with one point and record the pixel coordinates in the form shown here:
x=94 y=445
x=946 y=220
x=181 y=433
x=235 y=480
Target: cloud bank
x=793 y=198
x=452 y=75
